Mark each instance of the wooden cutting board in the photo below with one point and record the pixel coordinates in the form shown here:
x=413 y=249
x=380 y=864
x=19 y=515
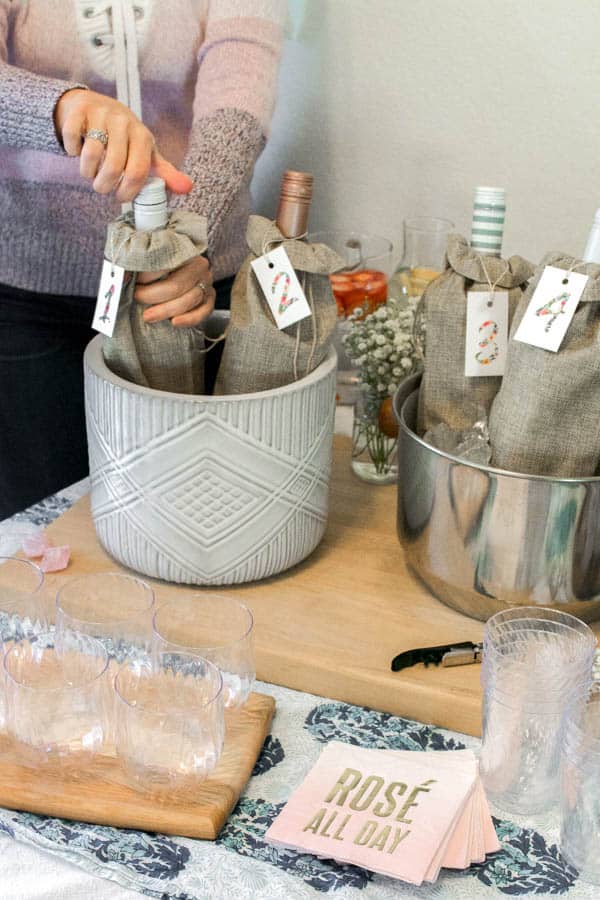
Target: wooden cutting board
x=332 y=625
x=98 y=791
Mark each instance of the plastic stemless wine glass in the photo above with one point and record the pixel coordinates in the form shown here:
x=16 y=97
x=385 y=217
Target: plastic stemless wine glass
x=169 y=721
x=114 y=608
x=23 y=606
x=56 y=697
x=580 y=789
x=217 y=627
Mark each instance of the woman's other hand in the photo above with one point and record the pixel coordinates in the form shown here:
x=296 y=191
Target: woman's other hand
x=123 y=165
x=186 y=296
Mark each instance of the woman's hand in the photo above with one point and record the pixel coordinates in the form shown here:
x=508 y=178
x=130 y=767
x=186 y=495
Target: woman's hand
x=130 y=154
x=186 y=296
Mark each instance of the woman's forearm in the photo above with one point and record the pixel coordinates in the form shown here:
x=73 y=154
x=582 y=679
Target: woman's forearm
x=220 y=161
x=27 y=103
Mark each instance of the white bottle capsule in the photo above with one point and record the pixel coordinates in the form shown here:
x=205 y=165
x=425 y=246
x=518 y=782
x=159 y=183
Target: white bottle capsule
x=150 y=206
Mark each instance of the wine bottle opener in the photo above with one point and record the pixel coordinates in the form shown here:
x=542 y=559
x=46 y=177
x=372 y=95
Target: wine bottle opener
x=460 y=654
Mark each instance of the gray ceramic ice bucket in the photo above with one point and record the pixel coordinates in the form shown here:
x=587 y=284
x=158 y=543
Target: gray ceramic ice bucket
x=209 y=490
x=484 y=539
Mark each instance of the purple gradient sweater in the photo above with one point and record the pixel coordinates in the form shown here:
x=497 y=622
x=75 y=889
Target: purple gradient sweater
x=208 y=72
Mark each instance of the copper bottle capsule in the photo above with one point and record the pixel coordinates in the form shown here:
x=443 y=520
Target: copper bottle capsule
x=294 y=203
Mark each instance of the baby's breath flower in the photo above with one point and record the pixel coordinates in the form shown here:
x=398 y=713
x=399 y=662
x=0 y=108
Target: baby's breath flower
x=381 y=345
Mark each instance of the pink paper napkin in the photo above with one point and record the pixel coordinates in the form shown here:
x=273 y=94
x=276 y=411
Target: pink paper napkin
x=400 y=813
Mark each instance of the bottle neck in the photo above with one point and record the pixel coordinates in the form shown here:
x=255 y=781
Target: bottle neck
x=292 y=218
x=487 y=229
x=149 y=218
x=294 y=204
x=592 y=248
x=150 y=206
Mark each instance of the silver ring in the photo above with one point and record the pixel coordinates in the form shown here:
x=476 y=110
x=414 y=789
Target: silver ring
x=203 y=287
x=97 y=135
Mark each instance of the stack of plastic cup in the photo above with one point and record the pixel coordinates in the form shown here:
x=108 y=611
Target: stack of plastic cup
x=580 y=789
x=536 y=670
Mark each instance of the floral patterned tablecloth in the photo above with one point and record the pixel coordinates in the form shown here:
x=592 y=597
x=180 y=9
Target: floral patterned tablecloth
x=241 y=865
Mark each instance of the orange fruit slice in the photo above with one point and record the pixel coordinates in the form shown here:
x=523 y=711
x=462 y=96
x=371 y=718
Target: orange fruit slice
x=387 y=420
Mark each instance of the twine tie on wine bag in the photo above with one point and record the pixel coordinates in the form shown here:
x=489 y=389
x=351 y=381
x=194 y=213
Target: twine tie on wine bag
x=497 y=281
x=267 y=243
x=576 y=265
x=311 y=303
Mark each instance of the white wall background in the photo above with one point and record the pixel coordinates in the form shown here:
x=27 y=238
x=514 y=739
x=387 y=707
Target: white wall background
x=400 y=107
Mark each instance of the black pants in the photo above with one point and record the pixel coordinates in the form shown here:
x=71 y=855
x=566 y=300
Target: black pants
x=43 y=444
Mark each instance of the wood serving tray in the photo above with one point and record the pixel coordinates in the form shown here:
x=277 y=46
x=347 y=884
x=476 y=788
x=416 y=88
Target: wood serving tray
x=98 y=792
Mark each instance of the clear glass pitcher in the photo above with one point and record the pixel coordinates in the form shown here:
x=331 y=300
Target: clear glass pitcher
x=423 y=259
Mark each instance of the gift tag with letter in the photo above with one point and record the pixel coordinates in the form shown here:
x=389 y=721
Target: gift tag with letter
x=282 y=290
x=487 y=333
x=551 y=308
x=109 y=296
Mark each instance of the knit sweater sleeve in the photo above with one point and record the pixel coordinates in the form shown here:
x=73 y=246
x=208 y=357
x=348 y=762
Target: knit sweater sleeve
x=234 y=100
x=27 y=100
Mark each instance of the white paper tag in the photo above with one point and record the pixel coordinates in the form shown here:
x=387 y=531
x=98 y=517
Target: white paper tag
x=109 y=296
x=551 y=308
x=487 y=333
x=281 y=288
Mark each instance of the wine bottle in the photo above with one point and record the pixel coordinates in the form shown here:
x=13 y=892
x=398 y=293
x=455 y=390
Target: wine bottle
x=487 y=230
x=150 y=213
x=294 y=203
x=592 y=248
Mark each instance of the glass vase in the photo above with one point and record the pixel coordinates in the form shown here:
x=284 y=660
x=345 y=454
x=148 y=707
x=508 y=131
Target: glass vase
x=374 y=438
x=423 y=258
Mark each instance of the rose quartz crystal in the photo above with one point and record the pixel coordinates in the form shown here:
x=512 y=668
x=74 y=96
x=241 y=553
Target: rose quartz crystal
x=55 y=559
x=36 y=544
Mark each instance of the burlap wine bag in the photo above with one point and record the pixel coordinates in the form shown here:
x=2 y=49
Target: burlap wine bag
x=447 y=395
x=258 y=355
x=155 y=355
x=545 y=419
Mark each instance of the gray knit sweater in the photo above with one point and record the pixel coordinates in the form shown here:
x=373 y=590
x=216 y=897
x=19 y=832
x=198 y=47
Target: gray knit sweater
x=208 y=73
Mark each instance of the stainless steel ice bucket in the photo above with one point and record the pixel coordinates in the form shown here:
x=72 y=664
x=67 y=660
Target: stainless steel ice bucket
x=484 y=539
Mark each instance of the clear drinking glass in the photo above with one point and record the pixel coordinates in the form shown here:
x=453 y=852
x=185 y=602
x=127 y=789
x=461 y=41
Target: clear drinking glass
x=424 y=251
x=23 y=607
x=217 y=627
x=580 y=790
x=536 y=669
x=116 y=609
x=169 y=725
x=56 y=698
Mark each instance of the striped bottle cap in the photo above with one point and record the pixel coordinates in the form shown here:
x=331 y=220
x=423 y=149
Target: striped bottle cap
x=489 y=208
